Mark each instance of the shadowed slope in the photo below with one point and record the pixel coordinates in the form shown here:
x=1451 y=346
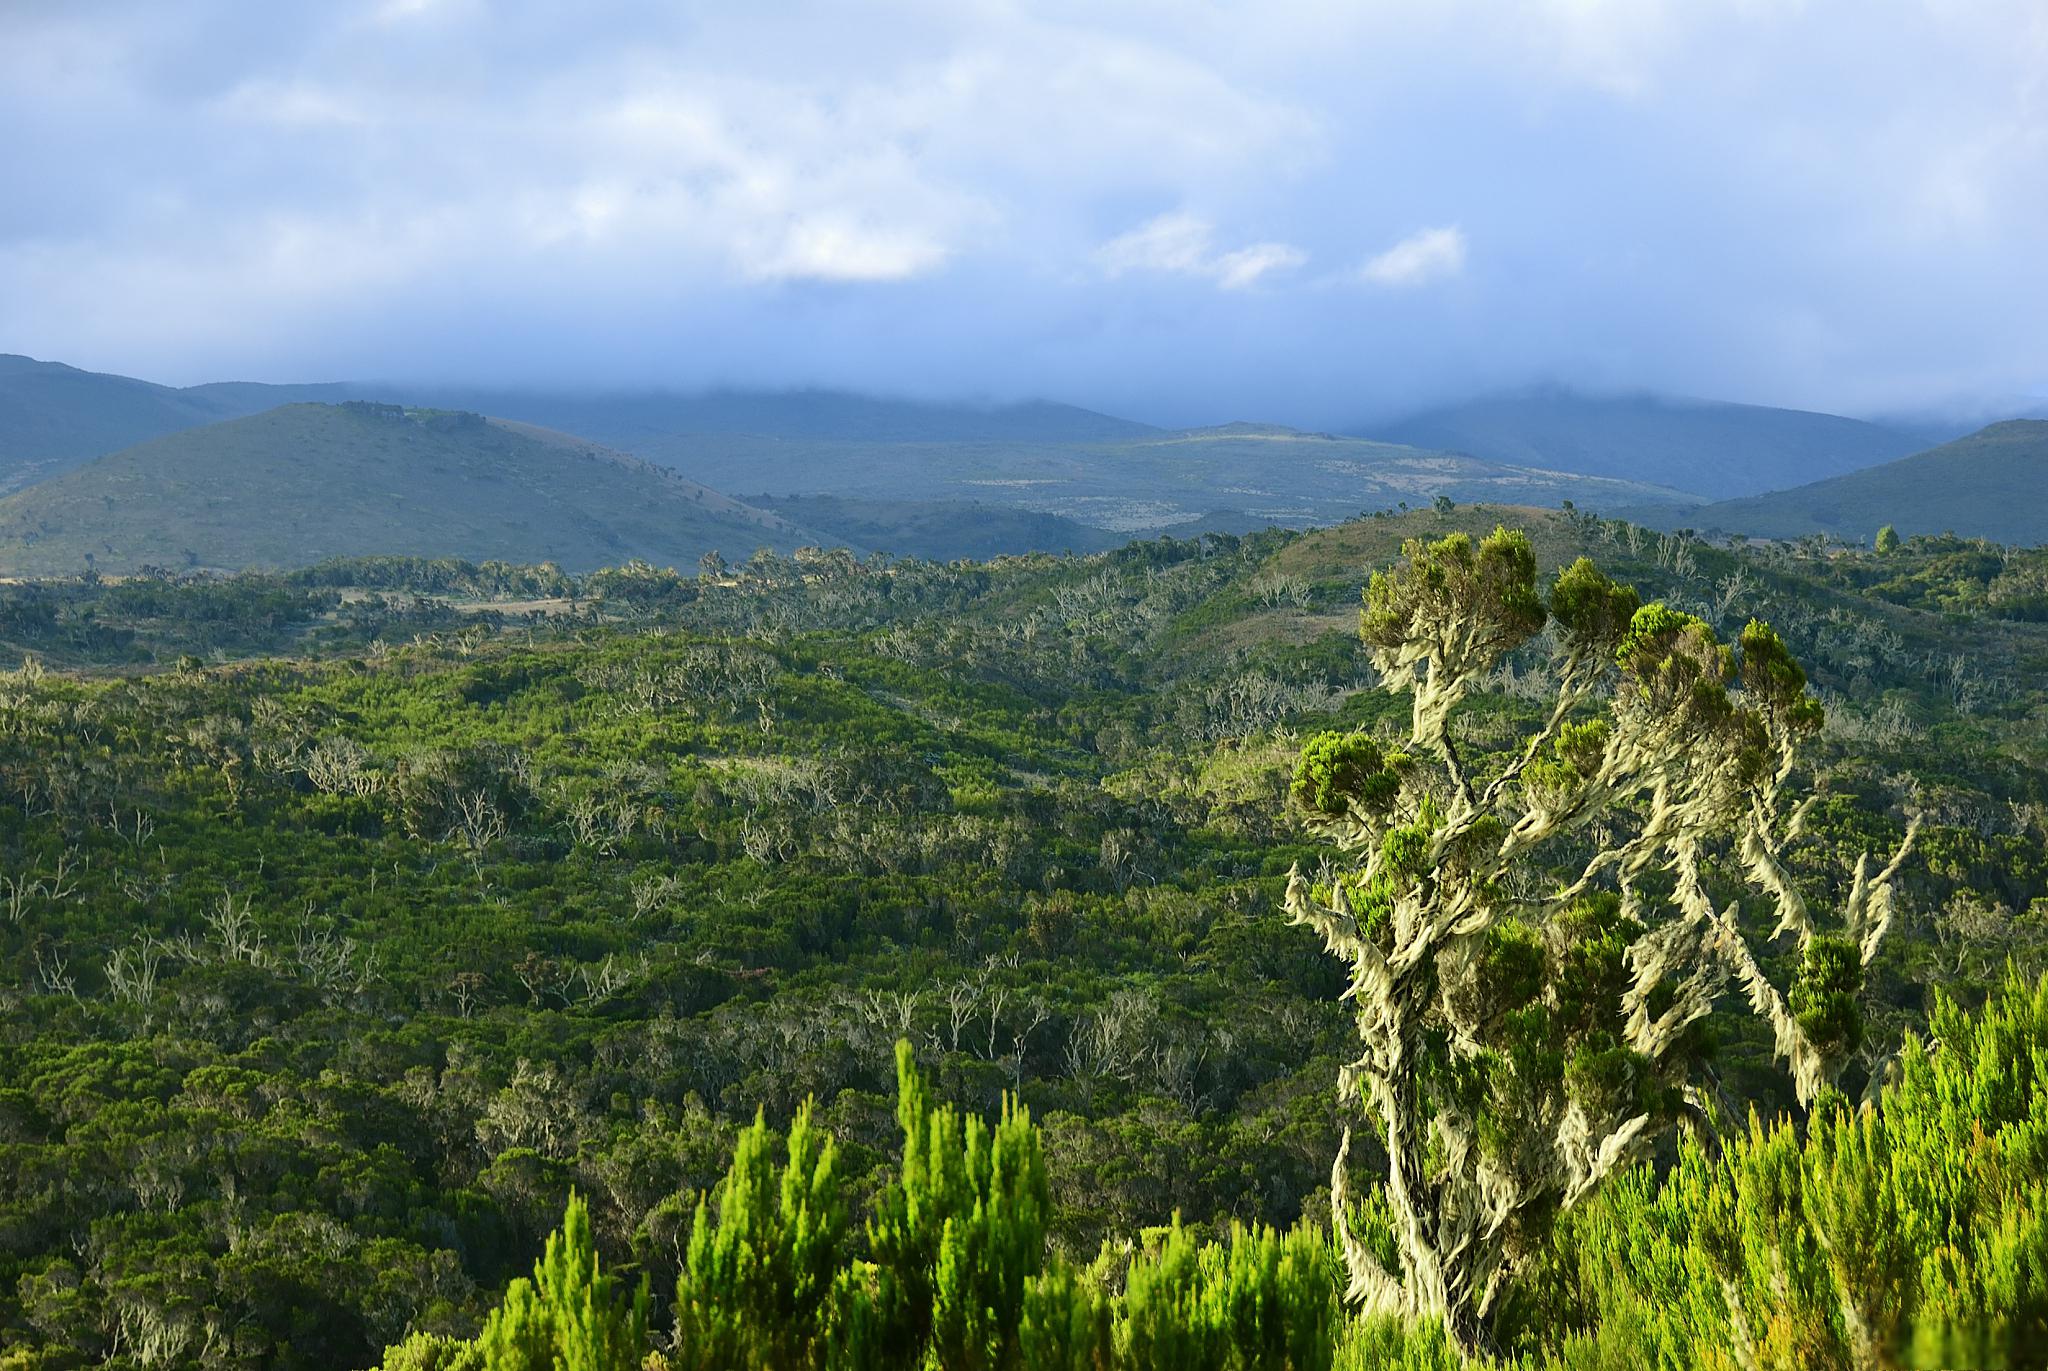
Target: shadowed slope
x=306 y=482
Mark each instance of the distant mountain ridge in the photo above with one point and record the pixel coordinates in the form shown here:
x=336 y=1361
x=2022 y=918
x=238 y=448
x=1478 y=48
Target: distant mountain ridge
x=1989 y=484
x=306 y=482
x=993 y=469
x=54 y=416
x=1714 y=449
x=623 y=417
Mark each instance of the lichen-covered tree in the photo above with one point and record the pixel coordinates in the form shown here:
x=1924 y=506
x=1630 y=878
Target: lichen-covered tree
x=1530 y=934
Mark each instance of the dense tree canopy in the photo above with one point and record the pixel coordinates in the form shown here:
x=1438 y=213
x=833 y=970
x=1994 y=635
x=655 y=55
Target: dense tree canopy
x=352 y=920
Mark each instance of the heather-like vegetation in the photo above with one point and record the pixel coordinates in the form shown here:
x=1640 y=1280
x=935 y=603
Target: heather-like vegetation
x=356 y=919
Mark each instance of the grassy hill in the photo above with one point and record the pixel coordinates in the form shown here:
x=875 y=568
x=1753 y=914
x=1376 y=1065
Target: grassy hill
x=1991 y=484
x=306 y=482
x=1718 y=451
x=53 y=416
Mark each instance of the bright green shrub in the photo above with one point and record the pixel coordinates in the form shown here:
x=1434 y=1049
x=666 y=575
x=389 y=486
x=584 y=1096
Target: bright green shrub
x=570 y=1316
x=1263 y=1301
x=757 y=1289
x=1911 y=1233
x=960 y=1234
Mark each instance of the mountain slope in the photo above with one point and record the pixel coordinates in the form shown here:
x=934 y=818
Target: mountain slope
x=1264 y=474
x=1716 y=450
x=939 y=530
x=305 y=482
x=1991 y=484
x=648 y=421
x=54 y=416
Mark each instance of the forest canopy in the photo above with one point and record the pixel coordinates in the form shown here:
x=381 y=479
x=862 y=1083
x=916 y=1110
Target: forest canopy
x=355 y=919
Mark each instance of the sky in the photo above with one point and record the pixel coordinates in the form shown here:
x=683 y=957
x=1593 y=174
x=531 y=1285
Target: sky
x=1293 y=210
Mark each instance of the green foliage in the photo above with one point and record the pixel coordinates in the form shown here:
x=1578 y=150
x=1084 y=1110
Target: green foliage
x=1662 y=642
x=1068 y=1322
x=757 y=1288
x=1381 y=1344
x=570 y=1316
x=1336 y=771
x=1263 y=1301
x=1491 y=587
x=1887 y=541
x=1825 y=995
x=1405 y=850
x=960 y=1235
x=1908 y=1234
x=1592 y=612
x=297 y=1048
x=1774 y=680
x=958 y=1276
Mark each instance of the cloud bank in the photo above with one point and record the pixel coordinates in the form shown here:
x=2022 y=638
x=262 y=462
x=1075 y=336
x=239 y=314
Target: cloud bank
x=1297 y=210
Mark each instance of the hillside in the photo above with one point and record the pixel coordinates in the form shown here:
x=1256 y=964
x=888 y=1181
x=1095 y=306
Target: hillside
x=1019 y=463
x=1716 y=450
x=387 y=909
x=627 y=419
x=1262 y=474
x=306 y=482
x=54 y=416
x=1991 y=484
x=938 y=530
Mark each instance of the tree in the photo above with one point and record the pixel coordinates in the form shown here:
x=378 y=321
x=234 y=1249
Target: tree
x=1524 y=1032
x=1887 y=541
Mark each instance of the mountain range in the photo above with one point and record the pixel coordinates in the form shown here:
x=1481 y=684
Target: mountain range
x=305 y=482
x=128 y=472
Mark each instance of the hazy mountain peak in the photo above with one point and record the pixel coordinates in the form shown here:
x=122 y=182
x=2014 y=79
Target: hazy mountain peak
x=1713 y=448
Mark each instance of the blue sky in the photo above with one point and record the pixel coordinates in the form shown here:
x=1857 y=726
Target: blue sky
x=1312 y=212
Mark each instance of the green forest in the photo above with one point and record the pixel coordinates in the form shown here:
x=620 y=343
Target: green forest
x=1468 y=936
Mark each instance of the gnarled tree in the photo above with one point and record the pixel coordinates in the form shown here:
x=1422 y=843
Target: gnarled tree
x=1530 y=934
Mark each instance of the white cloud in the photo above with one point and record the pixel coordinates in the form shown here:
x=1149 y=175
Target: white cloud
x=832 y=248
x=1235 y=270
x=1183 y=244
x=1173 y=242
x=1432 y=254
